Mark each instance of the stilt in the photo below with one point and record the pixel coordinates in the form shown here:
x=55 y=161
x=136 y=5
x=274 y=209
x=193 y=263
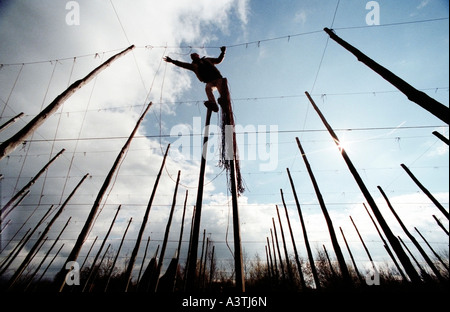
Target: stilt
x=192 y=267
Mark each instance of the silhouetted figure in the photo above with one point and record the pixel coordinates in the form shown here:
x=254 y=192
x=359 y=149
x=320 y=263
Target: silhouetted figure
x=206 y=71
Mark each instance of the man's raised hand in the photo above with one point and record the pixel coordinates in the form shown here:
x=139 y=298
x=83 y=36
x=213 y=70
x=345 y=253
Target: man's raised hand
x=168 y=59
x=223 y=49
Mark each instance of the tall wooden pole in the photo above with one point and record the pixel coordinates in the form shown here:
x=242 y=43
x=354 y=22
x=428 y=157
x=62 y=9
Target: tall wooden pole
x=43 y=234
x=441 y=225
x=73 y=256
x=192 y=267
x=364 y=244
x=422 y=99
x=9 y=145
x=181 y=237
x=278 y=249
x=166 y=234
x=238 y=261
x=432 y=250
x=271 y=261
x=427 y=192
x=5 y=211
x=93 y=267
x=117 y=255
x=386 y=246
x=403 y=257
x=412 y=238
x=10 y=122
x=135 y=251
x=441 y=137
x=286 y=254
x=297 y=259
x=277 y=272
x=333 y=237
x=305 y=235
x=361 y=280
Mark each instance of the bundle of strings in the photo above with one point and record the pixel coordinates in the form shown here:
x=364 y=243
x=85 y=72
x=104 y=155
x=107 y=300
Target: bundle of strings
x=229 y=147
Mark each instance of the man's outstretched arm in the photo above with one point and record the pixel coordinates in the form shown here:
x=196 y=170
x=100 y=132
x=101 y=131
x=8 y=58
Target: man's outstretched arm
x=219 y=59
x=179 y=64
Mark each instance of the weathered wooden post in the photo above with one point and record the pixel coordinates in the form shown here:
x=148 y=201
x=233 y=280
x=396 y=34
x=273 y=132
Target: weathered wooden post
x=166 y=234
x=20 y=246
x=361 y=280
x=386 y=246
x=305 y=234
x=9 y=145
x=278 y=249
x=93 y=268
x=427 y=192
x=286 y=254
x=193 y=249
x=60 y=278
x=5 y=211
x=441 y=225
x=422 y=99
x=135 y=251
x=364 y=244
x=403 y=257
x=441 y=137
x=10 y=122
x=297 y=259
x=117 y=255
x=432 y=250
x=412 y=238
x=277 y=272
x=271 y=260
x=333 y=237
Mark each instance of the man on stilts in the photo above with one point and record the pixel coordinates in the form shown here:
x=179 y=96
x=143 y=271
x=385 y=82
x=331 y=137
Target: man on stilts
x=206 y=71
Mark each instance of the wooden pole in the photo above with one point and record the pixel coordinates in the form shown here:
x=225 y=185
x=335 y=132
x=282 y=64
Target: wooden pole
x=427 y=192
x=297 y=259
x=422 y=99
x=93 y=268
x=286 y=254
x=329 y=261
x=24 y=242
x=361 y=280
x=305 y=235
x=421 y=269
x=333 y=237
x=386 y=246
x=441 y=137
x=167 y=232
x=403 y=257
x=189 y=250
x=192 y=266
x=271 y=261
x=412 y=238
x=5 y=211
x=43 y=234
x=48 y=266
x=10 y=122
x=9 y=145
x=143 y=261
x=117 y=255
x=364 y=244
x=441 y=225
x=278 y=249
x=269 y=273
x=432 y=250
x=201 y=260
x=238 y=261
x=211 y=267
x=275 y=264
x=73 y=256
x=143 y=225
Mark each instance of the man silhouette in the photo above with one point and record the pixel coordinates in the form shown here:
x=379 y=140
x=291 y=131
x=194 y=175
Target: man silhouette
x=206 y=71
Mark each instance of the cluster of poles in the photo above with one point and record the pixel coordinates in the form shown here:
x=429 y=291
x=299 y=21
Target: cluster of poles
x=195 y=270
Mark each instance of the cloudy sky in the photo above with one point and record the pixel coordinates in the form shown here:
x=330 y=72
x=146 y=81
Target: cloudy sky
x=275 y=52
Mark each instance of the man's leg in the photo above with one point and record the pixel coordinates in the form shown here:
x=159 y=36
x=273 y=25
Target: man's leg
x=211 y=103
x=222 y=87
